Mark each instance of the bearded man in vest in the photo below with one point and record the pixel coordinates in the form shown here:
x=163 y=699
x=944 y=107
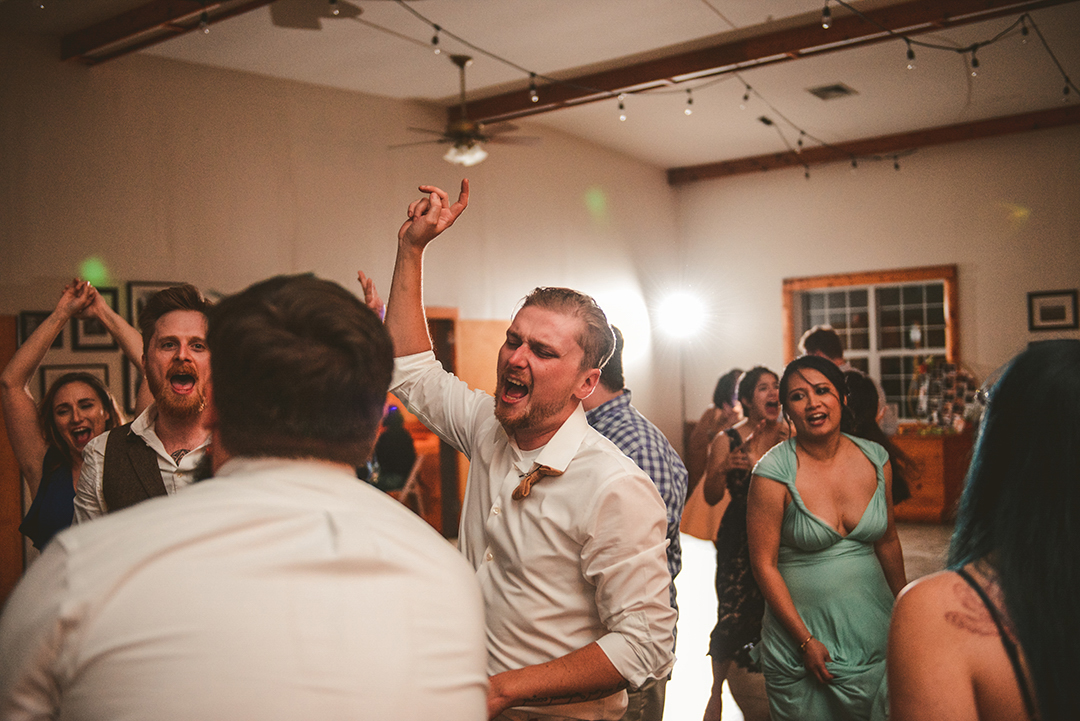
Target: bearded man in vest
x=159 y=452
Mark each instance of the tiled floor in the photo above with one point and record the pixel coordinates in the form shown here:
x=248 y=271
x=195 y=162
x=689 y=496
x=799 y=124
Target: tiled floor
x=924 y=552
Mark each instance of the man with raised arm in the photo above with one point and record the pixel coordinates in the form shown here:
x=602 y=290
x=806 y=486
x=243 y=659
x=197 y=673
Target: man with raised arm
x=566 y=534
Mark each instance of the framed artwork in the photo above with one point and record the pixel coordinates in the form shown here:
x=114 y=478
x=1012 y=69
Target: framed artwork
x=132 y=379
x=29 y=320
x=1052 y=310
x=138 y=292
x=91 y=333
x=49 y=374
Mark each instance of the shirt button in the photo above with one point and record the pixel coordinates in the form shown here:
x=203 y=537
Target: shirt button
x=490 y=556
x=496 y=510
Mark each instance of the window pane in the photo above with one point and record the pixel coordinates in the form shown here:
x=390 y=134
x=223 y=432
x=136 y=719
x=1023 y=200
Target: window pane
x=857 y=298
x=860 y=320
x=890 y=339
x=862 y=364
x=935 y=315
x=889 y=319
x=838 y=320
x=935 y=293
x=890 y=365
x=815 y=301
x=816 y=317
x=913 y=295
x=888 y=296
x=935 y=338
x=859 y=340
x=838 y=299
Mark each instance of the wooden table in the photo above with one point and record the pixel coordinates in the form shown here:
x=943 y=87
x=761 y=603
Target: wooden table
x=943 y=461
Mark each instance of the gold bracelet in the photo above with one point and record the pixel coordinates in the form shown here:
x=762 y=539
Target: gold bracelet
x=802 y=646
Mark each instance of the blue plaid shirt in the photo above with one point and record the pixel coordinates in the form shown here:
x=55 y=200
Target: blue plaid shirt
x=646 y=446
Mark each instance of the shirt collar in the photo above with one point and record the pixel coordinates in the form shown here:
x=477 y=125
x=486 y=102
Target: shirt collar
x=620 y=401
x=563 y=446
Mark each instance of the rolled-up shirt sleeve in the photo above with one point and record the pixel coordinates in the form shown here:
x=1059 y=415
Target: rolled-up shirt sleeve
x=625 y=557
x=89 y=497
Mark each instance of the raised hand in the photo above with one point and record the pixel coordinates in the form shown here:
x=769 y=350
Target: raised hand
x=432 y=215
x=371 y=295
x=76 y=298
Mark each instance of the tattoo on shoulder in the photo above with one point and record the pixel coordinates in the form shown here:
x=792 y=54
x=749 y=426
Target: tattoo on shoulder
x=969 y=613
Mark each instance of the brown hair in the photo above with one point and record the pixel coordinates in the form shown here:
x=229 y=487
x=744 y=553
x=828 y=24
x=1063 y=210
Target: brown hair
x=597 y=339
x=301 y=369
x=47 y=422
x=179 y=297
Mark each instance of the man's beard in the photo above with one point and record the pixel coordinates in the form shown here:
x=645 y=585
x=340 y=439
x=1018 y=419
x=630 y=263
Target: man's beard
x=532 y=417
x=172 y=403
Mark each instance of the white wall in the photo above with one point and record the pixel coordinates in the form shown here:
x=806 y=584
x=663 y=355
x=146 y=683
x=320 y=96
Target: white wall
x=1005 y=210
x=177 y=172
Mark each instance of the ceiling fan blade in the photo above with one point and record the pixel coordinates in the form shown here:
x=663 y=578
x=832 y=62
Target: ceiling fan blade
x=430 y=132
x=421 y=142
x=498 y=128
x=513 y=140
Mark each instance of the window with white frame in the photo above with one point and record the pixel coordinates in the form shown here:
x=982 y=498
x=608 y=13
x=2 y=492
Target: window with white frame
x=889 y=322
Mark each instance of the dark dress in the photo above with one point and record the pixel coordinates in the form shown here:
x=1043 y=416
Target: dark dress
x=54 y=505
x=740 y=603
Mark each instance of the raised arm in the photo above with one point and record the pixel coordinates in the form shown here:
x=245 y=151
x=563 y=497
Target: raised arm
x=20 y=410
x=129 y=339
x=764 y=516
x=405 y=317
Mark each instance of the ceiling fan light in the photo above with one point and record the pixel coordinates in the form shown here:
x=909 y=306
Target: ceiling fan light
x=465 y=154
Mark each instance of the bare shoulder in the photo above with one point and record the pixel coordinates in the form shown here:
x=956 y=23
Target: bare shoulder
x=946 y=600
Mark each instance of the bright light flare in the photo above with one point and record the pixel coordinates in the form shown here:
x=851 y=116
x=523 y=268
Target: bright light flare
x=681 y=314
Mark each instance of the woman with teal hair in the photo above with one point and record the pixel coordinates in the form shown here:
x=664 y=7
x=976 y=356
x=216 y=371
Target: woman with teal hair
x=997 y=635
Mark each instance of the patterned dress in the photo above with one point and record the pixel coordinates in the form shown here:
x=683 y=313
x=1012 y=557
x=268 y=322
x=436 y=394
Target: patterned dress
x=740 y=604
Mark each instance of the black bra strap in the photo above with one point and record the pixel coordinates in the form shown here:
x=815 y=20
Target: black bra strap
x=1006 y=640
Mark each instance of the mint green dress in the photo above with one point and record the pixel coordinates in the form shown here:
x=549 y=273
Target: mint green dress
x=839 y=590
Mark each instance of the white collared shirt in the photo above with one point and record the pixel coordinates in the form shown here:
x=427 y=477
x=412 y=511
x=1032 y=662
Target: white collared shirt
x=89 y=492
x=278 y=590
x=581 y=559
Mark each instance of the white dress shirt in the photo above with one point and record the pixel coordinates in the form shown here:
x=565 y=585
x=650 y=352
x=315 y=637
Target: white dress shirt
x=280 y=589
x=581 y=559
x=89 y=493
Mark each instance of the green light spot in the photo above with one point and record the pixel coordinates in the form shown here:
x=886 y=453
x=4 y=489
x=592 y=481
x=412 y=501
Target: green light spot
x=596 y=203
x=93 y=270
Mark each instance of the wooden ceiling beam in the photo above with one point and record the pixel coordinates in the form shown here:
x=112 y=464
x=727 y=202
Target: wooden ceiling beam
x=149 y=24
x=886 y=145
x=847 y=31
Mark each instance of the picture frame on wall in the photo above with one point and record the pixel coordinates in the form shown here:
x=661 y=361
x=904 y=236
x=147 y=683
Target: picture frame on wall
x=132 y=379
x=49 y=374
x=29 y=320
x=90 y=334
x=1053 y=310
x=138 y=292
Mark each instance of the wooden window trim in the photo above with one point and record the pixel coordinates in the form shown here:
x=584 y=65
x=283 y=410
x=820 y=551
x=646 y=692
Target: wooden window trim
x=946 y=273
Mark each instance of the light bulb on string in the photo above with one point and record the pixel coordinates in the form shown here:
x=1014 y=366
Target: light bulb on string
x=435 y=40
x=533 y=95
x=689 y=102
x=896 y=163
x=204 y=22
x=974 y=61
x=799 y=142
x=910 y=55
x=854 y=164
x=334 y=9
x=622 y=108
x=826 y=16
x=806 y=172
x=1023 y=30
x=745 y=99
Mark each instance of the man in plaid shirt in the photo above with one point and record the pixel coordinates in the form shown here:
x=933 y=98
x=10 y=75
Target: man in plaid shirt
x=609 y=411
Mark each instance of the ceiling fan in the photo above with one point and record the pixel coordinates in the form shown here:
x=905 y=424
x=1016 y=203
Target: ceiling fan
x=466 y=137
x=309 y=14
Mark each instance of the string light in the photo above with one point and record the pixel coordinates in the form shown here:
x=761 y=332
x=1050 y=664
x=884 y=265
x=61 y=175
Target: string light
x=622 y=107
x=896 y=162
x=745 y=98
x=910 y=55
x=334 y=9
x=204 y=22
x=799 y=142
x=826 y=16
x=1023 y=31
x=435 y=40
x=974 y=60
x=689 y=101
x=806 y=171
x=854 y=164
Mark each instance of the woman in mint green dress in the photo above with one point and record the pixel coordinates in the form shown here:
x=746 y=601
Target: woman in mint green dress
x=826 y=556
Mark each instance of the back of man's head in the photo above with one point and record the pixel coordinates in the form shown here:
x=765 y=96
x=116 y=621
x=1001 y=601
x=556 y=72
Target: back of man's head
x=611 y=375
x=179 y=297
x=301 y=368
x=596 y=338
x=822 y=340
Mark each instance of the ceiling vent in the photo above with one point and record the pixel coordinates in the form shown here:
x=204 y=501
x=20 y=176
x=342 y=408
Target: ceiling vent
x=832 y=92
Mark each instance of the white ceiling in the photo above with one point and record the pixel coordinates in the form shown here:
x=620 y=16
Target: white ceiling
x=386 y=51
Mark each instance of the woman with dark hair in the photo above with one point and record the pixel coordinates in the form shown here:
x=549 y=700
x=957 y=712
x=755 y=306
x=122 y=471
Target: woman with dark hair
x=48 y=439
x=866 y=414
x=732 y=455
x=723 y=413
x=997 y=635
x=825 y=553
